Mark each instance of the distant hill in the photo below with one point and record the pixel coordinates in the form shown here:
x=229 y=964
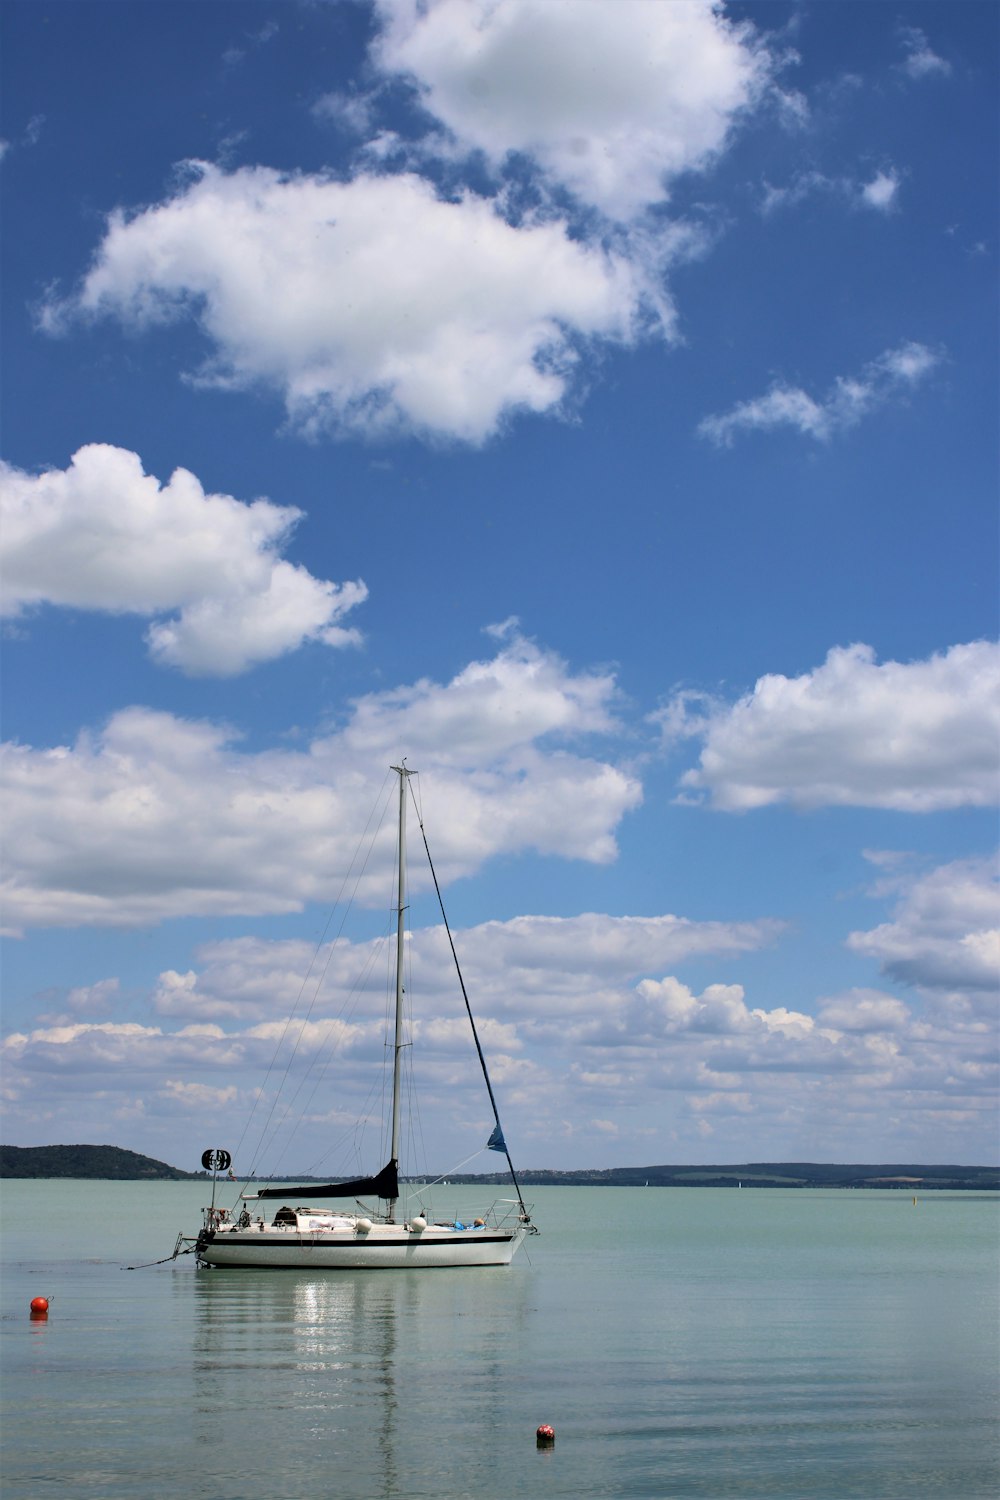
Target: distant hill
x=109 y=1163
x=762 y=1174
x=87 y=1161
x=117 y=1164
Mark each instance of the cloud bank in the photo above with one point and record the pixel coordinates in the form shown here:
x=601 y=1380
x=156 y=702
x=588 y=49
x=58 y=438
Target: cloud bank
x=158 y=817
x=584 y=1020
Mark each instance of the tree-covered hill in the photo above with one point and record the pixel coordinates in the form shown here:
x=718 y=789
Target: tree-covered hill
x=112 y=1162
x=115 y=1163
x=912 y=1176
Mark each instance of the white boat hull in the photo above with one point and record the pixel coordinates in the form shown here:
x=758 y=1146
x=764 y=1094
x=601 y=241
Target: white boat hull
x=385 y=1247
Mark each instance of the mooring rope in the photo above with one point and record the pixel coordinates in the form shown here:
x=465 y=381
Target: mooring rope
x=146 y=1264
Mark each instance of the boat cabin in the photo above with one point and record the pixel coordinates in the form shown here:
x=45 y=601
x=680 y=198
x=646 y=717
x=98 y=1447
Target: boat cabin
x=307 y=1220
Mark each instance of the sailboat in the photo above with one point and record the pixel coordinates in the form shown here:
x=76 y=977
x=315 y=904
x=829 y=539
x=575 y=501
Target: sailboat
x=373 y=1233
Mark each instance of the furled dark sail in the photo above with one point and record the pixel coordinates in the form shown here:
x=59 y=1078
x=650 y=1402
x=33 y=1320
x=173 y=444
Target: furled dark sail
x=384 y=1185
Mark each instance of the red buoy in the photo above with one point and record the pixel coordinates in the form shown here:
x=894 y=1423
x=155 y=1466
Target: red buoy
x=39 y=1307
x=545 y=1436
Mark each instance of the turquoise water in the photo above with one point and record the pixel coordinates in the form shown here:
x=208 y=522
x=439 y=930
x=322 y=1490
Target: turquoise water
x=682 y=1343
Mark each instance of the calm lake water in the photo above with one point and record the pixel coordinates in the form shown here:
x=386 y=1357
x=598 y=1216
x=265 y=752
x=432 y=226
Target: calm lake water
x=682 y=1342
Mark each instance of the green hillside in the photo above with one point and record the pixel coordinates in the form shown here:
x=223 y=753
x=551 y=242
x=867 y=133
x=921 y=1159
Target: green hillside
x=911 y=1176
x=110 y=1162
x=117 y=1164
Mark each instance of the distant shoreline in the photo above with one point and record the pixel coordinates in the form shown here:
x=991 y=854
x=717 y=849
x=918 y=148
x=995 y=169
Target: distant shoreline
x=114 y=1163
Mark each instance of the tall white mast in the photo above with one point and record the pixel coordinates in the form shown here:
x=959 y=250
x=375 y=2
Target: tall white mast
x=402 y=773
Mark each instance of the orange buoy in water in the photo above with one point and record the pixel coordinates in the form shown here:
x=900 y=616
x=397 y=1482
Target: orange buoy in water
x=39 y=1307
x=545 y=1436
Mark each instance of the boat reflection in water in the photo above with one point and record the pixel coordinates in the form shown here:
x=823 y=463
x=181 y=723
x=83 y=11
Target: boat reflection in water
x=358 y=1362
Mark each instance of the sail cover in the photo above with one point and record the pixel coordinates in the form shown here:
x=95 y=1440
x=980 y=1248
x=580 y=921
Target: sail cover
x=384 y=1185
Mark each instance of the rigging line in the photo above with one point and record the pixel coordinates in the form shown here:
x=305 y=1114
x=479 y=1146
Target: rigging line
x=317 y=1068
x=366 y=1111
x=426 y=1187
x=353 y=1133
x=468 y=1007
x=414 y=1124
x=414 y=1121
x=302 y=987
x=302 y=1031
x=388 y=1004
x=270 y=1116
x=291 y=1015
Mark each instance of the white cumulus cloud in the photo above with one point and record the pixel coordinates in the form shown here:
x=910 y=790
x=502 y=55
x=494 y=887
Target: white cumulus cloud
x=369 y=305
x=611 y=100
x=945 y=932
x=104 y=535
x=914 y=736
x=864 y=1011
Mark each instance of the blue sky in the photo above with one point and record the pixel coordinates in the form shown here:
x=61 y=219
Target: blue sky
x=595 y=404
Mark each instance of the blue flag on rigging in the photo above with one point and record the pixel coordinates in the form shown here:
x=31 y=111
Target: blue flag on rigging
x=496 y=1141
